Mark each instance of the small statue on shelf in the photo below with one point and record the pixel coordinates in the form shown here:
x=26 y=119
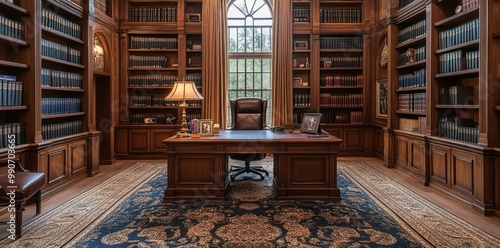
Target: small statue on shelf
x=411 y=55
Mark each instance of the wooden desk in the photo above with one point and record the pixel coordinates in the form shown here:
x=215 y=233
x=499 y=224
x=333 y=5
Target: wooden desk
x=304 y=168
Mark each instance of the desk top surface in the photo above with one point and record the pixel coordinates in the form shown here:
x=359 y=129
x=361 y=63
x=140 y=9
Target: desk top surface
x=258 y=135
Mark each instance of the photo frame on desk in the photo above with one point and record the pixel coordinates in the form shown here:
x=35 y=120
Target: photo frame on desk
x=381 y=100
x=206 y=127
x=310 y=123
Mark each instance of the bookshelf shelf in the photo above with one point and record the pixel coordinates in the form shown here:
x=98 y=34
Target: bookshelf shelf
x=62 y=89
x=341 y=87
x=49 y=31
x=302 y=87
x=411 y=113
x=341 y=107
x=458 y=18
x=302 y=51
x=194 y=51
x=341 y=50
x=153 y=107
x=194 y=69
x=45 y=117
x=301 y=1
x=414 y=89
x=152 y=1
x=152 y=69
x=339 y=28
x=71 y=8
x=149 y=87
x=6 y=63
x=62 y=62
x=11 y=108
x=302 y=107
x=301 y=69
x=449 y=106
x=15 y=8
x=416 y=64
x=342 y=69
x=6 y=40
x=412 y=42
x=496 y=35
x=153 y=50
x=470 y=44
x=471 y=73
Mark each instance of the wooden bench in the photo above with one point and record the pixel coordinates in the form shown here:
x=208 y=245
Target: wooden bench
x=16 y=188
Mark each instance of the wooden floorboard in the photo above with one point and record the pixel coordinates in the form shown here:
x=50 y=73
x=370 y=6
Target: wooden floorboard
x=489 y=224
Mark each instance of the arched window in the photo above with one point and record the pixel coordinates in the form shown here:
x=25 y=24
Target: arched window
x=249 y=45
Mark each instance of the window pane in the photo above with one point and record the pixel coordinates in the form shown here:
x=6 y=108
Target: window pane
x=249 y=82
x=266 y=65
x=249 y=40
x=266 y=39
x=233 y=81
x=241 y=65
x=233 y=39
x=241 y=80
x=257 y=81
x=263 y=22
x=257 y=39
x=232 y=65
x=249 y=65
x=241 y=39
x=241 y=94
x=257 y=65
x=266 y=80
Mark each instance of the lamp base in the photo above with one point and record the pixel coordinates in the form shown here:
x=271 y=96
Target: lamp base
x=183 y=135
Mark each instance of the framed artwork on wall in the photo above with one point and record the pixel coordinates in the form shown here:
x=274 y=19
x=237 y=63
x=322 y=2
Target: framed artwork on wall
x=381 y=104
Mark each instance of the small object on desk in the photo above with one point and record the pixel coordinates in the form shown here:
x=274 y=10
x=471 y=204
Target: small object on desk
x=277 y=129
x=318 y=136
x=289 y=131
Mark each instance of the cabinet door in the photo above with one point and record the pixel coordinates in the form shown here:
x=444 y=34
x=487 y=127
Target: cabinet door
x=402 y=151
x=139 y=141
x=353 y=139
x=157 y=136
x=463 y=168
x=57 y=170
x=439 y=164
x=417 y=157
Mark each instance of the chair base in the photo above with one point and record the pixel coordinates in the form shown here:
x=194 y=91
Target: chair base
x=238 y=170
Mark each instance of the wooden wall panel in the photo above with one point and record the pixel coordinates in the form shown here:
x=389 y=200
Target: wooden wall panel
x=157 y=137
x=379 y=140
x=439 y=164
x=56 y=164
x=417 y=157
x=139 y=141
x=121 y=141
x=306 y=170
x=78 y=151
x=402 y=151
x=353 y=139
x=462 y=167
x=196 y=170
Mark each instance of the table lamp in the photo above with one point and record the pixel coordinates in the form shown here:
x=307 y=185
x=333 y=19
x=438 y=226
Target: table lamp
x=182 y=91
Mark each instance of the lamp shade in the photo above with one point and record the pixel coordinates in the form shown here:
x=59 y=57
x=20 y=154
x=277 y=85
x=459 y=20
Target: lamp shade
x=184 y=90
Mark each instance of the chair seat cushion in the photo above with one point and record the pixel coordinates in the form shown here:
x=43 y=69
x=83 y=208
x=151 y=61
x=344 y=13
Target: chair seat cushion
x=249 y=156
x=27 y=183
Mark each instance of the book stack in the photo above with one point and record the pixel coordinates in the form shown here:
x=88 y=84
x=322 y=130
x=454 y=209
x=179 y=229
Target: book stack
x=138 y=119
x=458 y=128
x=339 y=15
x=472 y=59
x=56 y=106
x=341 y=62
x=60 y=24
x=469 y=4
x=411 y=32
x=11 y=91
x=342 y=100
x=161 y=14
x=338 y=42
x=11 y=133
x=456 y=95
x=458 y=35
x=450 y=62
x=11 y=28
x=140 y=61
x=150 y=100
x=301 y=100
x=61 y=52
x=301 y=15
x=151 y=80
x=61 y=79
x=414 y=102
x=336 y=81
x=52 y=131
x=140 y=42
x=415 y=79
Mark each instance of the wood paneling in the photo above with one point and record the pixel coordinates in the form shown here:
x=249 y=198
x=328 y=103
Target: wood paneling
x=157 y=136
x=139 y=141
x=402 y=151
x=439 y=163
x=417 y=157
x=307 y=170
x=195 y=170
x=353 y=139
x=462 y=167
x=78 y=151
x=121 y=141
x=56 y=164
x=379 y=140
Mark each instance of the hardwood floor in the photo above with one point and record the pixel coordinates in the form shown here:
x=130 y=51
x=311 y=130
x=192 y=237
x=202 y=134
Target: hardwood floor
x=489 y=224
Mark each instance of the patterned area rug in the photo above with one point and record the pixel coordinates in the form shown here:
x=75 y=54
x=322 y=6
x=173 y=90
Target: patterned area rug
x=127 y=211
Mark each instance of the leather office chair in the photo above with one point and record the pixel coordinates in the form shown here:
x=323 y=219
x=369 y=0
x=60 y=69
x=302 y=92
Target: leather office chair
x=28 y=185
x=248 y=113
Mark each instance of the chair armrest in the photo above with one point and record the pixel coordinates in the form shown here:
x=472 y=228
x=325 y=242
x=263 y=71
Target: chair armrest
x=17 y=165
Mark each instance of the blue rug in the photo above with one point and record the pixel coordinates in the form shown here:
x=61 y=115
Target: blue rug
x=251 y=217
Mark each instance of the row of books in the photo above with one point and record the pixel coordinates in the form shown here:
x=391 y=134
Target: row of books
x=193 y=103
x=56 y=130
x=469 y=4
x=192 y=116
x=333 y=81
x=11 y=28
x=458 y=128
x=147 y=101
x=161 y=14
x=11 y=133
x=61 y=79
x=456 y=95
x=301 y=100
x=411 y=32
x=340 y=42
x=339 y=15
x=339 y=62
x=348 y=100
x=11 y=93
x=139 y=119
x=62 y=52
x=194 y=77
x=353 y=117
x=414 y=102
x=301 y=15
x=461 y=34
x=472 y=59
x=152 y=80
x=419 y=55
x=450 y=62
x=60 y=24
x=141 y=42
x=137 y=61
x=412 y=80
x=56 y=106
x=403 y=3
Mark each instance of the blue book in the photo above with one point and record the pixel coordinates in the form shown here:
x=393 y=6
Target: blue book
x=8 y=77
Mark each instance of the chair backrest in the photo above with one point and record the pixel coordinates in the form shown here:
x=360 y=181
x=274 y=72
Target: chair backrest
x=248 y=113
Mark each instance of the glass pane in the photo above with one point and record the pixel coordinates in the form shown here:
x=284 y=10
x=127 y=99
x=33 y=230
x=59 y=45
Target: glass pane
x=241 y=39
x=257 y=80
x=249 y=40
x=257 y=39
x=263 y=22
x=233 y=81
x=234 y=12
x=266 y=95
x=257 y=65
x=266 y=80
x=232 y=65
x=241 y=6
x=266 y=40
x=249 y=82
x=241 y=93
x=241 y=65
x=233 y=39
x=262 y=9
x=236 y=22
x=249 y=65
x=241 y=81
x=266 y=65
x=232 y=95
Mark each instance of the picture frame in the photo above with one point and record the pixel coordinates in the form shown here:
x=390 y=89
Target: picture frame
x=193 y=17
x=297 y=81
x=310 y=123
x=381 y=99
x=206 y=127
x=150 y=120
x=300 y=45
